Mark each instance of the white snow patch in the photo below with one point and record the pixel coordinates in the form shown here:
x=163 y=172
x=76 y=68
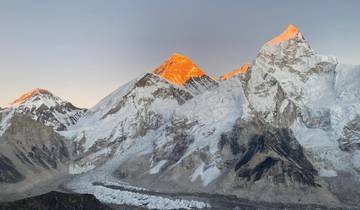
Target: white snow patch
x=157 y=168
x=206 y=176
x=198 y=172
x=5 y=122
x=210 y=174
x=356 y=160
x=327 y=173
x=284 y=104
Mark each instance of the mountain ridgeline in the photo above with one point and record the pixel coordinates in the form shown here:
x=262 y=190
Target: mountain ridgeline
x=282 y=129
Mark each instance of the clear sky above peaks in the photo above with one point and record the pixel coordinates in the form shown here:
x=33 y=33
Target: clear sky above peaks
x=81 y=50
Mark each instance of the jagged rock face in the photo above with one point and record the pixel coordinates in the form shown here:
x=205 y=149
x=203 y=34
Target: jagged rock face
x=262 y=162
x=178 y=141
x=278 y=108
x=49 y=115
x=261 y=152
x=131 y=112
x=280 y=75
x=276 y=156
x=43 y=106
x=31 y=151
x=198 y=85
x=316 y=118
x=351 y=136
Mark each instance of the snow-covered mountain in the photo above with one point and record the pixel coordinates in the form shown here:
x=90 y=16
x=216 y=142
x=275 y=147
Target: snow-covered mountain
x=284 y=128
x=31 y=150
x=253 y=133
x=130 y=112
x=291 y=85
x=42 y=106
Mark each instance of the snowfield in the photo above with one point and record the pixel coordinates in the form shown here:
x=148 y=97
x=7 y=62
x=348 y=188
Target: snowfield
x=137 y=199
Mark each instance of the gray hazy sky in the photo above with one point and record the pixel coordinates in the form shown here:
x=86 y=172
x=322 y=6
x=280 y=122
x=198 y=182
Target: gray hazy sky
x=83 y=50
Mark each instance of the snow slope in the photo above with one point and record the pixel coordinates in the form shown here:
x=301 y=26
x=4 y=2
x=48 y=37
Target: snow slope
x=141 y=106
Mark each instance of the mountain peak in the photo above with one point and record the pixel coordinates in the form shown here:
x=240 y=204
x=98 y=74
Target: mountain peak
x=289 y=33
x=178 y=69
x=30 y=94
x=177 y=56
x=243 y=69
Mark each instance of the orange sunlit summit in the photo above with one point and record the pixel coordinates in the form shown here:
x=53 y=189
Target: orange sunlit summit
x=28 y=95
x=178 y=69
x=242 y=70
x=290 y=32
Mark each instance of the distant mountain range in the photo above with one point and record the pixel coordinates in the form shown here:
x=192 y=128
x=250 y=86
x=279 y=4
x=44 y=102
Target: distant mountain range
x=281 y=132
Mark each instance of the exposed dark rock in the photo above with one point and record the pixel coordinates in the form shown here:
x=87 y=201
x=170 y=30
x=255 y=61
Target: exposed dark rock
x=180 y=95
x=8 y=172
x=232 y=141
x=200 y=84
x=179 y=141
x=32 y=147
x=316 y=118
x=147 y=80
x=260 y=151
x=351 y=136
x=56 y=201
x=276 y=155
x=47 y=115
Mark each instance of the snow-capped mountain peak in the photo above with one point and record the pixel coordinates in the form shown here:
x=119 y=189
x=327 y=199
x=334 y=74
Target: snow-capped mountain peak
x=37 y=96
x=282 y=72
x=42 y=105
x=178 y=69
x=28 y=95
x=290 y=44
x=289 y=33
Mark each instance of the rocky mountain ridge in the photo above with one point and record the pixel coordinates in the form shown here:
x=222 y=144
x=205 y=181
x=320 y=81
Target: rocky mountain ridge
x=283 y=130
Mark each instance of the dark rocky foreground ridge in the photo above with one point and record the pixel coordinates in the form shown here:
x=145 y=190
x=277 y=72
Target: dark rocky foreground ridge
x=55 y=200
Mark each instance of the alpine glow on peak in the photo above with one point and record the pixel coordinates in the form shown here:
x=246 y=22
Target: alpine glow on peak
x=30 y=94
x=242 y=70
x=178 y=69
x=290 y=32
